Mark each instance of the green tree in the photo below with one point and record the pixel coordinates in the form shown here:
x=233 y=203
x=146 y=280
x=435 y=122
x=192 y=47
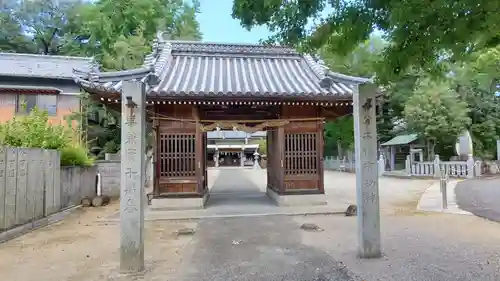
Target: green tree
x=477 y=82
x=339 y=132
x=119 y=33
x=437 y=113
x=12 y=38
x=34 y=26
x=420 y=31
x=128 y=52
x=360 y=62
x=186 y=26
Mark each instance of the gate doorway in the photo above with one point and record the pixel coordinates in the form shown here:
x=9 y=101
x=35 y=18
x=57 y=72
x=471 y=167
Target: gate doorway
x=236 y=188
x=194 y=87
x=186 y=159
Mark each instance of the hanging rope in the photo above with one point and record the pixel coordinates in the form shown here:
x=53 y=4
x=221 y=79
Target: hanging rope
x=239 y=125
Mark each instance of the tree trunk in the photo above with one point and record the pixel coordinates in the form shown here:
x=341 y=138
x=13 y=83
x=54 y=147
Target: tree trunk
x=339 y=149
x=430 y=150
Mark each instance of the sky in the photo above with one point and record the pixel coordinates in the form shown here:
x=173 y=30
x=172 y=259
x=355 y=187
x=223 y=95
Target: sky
x=218 y=26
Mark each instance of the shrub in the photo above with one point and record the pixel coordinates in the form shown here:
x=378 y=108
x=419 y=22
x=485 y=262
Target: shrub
x=33 y=130
x=75 y=155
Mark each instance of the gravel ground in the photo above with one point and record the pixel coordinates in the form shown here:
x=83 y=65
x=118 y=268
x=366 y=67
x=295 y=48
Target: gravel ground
x=263 y=248
x=416 y=247
x=78 y=249
x=340 y=188
x=480 y=197
x=257 y=249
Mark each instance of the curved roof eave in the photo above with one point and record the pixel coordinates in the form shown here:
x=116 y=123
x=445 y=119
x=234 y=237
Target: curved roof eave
x=114 y=76
x=322 y=71
x=347 y=78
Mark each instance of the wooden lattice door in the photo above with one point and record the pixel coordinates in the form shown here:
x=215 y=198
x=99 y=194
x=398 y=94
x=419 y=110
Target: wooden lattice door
x=302 y=157
x=177 y=162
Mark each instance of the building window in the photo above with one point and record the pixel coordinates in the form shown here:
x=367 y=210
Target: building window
x=26 y=103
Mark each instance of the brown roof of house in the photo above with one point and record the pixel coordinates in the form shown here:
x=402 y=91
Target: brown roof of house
x=197 y=69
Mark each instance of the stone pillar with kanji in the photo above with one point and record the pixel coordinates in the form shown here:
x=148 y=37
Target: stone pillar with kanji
x=133 y=149
x=367 y=192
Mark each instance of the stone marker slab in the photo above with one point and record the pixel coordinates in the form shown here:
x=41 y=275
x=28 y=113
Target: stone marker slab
x=56 y=158
x=31 y=183
x=48 y=175
x=3 y=166
x=133 y=147
x=10 y=188
x=39 y=184
x=22 y=180
x=367 y=192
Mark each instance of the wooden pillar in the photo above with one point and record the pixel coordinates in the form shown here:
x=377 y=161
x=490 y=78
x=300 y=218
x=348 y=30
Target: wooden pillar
x=367 y=193
x=280 y=154
x=133 y=148
x=199 y=150
x=156 y=152
x=270 y=159
x=320 y=159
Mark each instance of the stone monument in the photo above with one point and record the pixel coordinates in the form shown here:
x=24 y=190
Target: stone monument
x=365 y=140
x=133 y=149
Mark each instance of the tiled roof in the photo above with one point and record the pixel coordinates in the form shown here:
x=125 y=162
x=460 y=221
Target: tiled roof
x=401 y=140
x=41 y=66
x=196 y=69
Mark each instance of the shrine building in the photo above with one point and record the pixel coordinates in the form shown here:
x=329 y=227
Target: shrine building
x=195 y=88
x=234 y=148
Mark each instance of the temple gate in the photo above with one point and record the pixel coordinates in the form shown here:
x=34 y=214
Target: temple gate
x=198 y=87
x=193 y=87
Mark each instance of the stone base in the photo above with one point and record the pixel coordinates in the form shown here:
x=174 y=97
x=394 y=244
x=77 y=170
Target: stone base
x=179 y=203
x=297 y=199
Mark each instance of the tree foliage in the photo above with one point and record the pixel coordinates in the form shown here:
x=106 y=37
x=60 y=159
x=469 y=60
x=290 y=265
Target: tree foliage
x=124 y=30
x=360 y=62
x=438 y=108
x=118 y=33
x=339 y=132
x=419 y=31
x=477 y=82
x=436 y=112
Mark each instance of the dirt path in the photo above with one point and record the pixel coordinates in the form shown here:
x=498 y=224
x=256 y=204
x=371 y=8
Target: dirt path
x=79 y=249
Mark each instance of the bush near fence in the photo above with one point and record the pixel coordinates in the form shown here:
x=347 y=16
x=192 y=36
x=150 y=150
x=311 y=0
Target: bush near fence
x=33 y=185
x=34 y=130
